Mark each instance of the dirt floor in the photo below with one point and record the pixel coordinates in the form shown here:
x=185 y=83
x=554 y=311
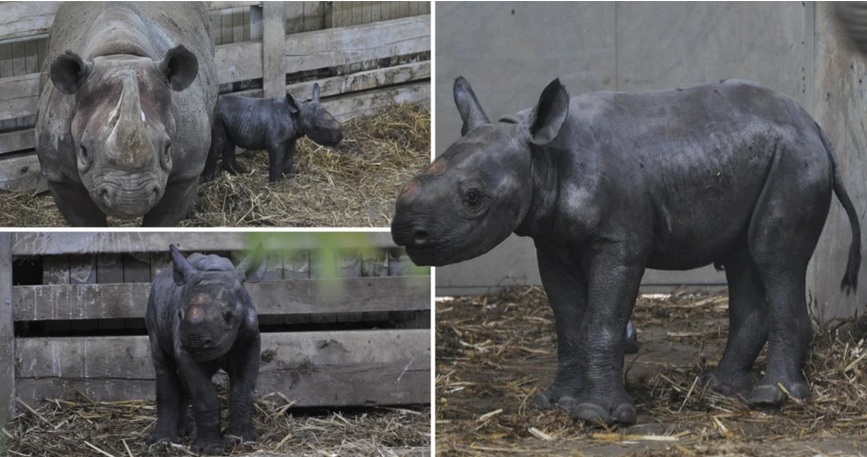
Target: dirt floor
x=65 y=429
x=352 y=185
x=495 y=352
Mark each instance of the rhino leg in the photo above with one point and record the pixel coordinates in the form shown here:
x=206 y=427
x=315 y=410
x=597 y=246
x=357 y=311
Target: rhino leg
x=196 y=378
x=288 y=163
x=75 y=205
x=174 y=206
x=243 y=369
x=218 y=142
x=170 y=398
x=614 y=278
x=566 y=287
x=276 y=156
x=783 y=233
x=748 y=326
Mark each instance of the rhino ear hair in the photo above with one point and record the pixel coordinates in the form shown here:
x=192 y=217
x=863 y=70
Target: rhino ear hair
x=468 y=106
x=252 y=268
x=547 y=118
x=294 y=108
x=68 y=72
x=316 y=92
x=180 y=67
x=181 y=269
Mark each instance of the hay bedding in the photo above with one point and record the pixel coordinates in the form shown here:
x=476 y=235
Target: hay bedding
x=352 y=185
x=64 y=429
x=495 y=352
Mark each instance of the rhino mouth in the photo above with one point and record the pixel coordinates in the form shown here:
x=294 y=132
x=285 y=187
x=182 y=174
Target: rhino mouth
x=127 y=201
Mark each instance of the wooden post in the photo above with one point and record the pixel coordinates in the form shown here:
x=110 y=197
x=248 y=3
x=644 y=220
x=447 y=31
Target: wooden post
x=7 y=331
x=273 y=48
x=256 y=31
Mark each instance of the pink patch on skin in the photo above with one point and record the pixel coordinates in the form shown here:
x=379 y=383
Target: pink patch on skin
x=410 y=190
x=437 y=167
x=194 y=315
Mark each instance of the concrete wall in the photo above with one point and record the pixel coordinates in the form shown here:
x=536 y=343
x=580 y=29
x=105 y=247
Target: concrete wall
x=510 y=50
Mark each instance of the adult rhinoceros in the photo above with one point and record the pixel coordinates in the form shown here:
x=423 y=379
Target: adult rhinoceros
x=128 y=92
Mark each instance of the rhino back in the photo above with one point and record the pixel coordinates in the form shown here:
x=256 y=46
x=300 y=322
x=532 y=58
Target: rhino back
x=150 y=29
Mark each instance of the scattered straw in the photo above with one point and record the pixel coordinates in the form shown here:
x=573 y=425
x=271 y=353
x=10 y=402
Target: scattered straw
x=119 y=429
x=495 y=352
x=352 y=185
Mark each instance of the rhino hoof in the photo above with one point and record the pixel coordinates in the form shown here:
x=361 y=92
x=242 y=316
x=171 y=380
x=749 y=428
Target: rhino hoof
x=544 y=401
x=207 y=447
x=766 y=395
x=625 y=414
x=730 y=385
x=591 y=413
x=154 y=438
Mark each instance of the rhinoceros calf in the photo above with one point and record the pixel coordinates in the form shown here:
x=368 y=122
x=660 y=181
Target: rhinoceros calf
x=274 y=124
x=200 y=318
x=608 y=184
x=124 y=117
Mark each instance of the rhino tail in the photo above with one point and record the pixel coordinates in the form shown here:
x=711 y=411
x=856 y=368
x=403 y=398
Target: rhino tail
x=850 y=279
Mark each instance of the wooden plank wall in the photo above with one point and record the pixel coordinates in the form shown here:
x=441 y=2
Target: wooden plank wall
x=367 y=46
x=89 y=283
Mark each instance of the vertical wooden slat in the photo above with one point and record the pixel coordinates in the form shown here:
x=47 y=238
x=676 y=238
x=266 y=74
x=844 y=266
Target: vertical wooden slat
x=413 y=8
x=328 y=14
x=274 y=39
x=256 y=25
x=357 y=9
x=347 y=14
x=374 y=264
x=7 y=330
x=19 y=56
x=136 y=267
x=314 y=16
x=404 y=9
x=238 y=23
x=424 y=7
x=294 y=17
x=6 y=71
x=246 y=20
x=216 y=26
x=296 y=265
x=109 y=269
x=40 y=49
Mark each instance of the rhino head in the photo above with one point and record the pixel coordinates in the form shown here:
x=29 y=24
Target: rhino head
x=481 y=188
x=314 y=121
x=123 y=127
x=214 y=304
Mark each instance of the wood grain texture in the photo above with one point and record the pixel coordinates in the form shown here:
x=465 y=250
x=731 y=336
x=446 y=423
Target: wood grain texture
x=290 y=296
x=314 y=368
x=273 y=43
x=7 y=334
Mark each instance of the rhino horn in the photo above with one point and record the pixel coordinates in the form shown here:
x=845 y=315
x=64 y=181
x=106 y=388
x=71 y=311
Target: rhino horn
x=127 y=145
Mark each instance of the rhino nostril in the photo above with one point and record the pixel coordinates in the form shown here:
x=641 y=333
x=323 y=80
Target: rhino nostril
x=156 y=190
x=104 y=194
x=420 y=237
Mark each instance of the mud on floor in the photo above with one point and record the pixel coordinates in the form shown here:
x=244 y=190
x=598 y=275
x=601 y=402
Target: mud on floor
x=85 y=428
x=494 y=352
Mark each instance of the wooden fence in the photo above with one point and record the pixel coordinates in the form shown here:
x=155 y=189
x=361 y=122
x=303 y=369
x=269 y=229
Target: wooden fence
x=72 y=307
x=365 y=55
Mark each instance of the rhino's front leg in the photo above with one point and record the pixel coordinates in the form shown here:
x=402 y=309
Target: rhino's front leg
x=75 y=205
x=276 y=157
x=174 y=206
x=206 y=405
x=566 y=287
x=288 y=162
x=170 y=399
x=243 y=369
x=614 y=277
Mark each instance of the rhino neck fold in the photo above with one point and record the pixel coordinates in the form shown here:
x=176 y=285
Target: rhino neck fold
x=542 y=195
x=127 y=144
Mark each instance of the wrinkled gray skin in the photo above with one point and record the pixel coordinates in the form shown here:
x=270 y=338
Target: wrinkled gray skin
x=199 y=319
x=127 y=99
x=608 y=184
x=274 y=124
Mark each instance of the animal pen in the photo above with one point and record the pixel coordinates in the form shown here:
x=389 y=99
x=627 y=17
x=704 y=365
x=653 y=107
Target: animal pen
x=72 y=307
x=364 y=55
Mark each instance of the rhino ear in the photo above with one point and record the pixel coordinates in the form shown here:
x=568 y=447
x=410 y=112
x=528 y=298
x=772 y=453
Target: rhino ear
x=68 y=72
x=294 y=107
x=180 y=67
x=469 y=107
x=544 y=123
x=252 y=268
x=316 y=92
x=181 y=269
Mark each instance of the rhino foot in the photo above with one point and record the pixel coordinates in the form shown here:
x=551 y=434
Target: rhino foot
x=556 y=397
x=155 y=438
x=728 y=383
x=770 y=395
x=207 y=446
x=234 y=437
x=598 y=411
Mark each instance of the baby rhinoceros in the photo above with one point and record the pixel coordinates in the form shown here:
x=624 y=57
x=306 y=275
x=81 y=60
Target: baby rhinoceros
x=200 y=318
x=273 y=124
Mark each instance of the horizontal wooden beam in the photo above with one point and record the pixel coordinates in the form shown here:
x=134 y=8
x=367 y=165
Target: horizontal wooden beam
x=215 y=6
x=368 y=103
x=337 y=368
x=358 y=43
x=59 y=243
x=281 y=297
x=18 y=96
x=21 y=172
x=19 y=140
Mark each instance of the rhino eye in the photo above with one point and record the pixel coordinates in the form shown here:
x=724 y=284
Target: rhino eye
x=227 y=316
x=472 y=197
x=84 y=152
x=168 y=150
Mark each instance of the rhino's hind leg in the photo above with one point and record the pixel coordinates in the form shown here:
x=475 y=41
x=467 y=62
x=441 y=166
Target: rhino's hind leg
x=748 y=326
x=567 y=293
x=783 y=234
